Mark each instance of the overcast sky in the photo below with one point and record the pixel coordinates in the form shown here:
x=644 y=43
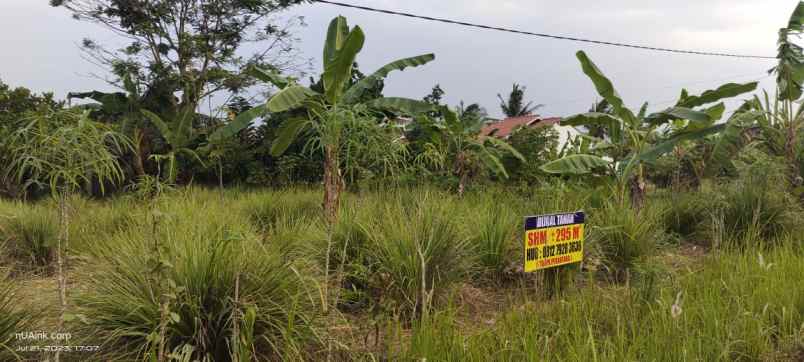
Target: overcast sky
x=40 y=47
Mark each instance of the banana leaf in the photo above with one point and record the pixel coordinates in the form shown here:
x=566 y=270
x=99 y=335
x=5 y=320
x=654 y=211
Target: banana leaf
x=286 y=134
x=575 y=164
x=354 y=93
x=338 y=71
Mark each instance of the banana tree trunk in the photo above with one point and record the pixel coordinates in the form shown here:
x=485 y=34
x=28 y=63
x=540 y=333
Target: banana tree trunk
x=790 y=152
x=462 y=183
x=638 y=189
x=332 y=184
x=140 y=153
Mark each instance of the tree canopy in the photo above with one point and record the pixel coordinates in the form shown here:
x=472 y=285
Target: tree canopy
x=188 y=46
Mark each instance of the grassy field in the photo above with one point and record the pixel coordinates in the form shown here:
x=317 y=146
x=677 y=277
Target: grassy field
x=410 y=274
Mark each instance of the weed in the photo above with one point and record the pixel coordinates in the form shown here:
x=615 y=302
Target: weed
x=625 y=236
x=206 y=252
x=415 y=252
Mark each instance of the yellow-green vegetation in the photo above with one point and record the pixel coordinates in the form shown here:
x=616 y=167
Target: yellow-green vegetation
x=412 y=274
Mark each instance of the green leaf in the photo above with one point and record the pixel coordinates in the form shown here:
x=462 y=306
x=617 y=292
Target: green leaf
x=716 y=112
x=113 y=103
x=404 y=105
x=286 y=134
x=643 y=111
x=191 y=154
x=184 y=133
x=612 y=124
x=339 y=70
x=626 y=167
x=494 y=163
x=605 y=88
x=724 y=91
x=270 y=76
x=289 y=98
x=130 y=86
x=505 y=146
x=163 y=128
x=575 y=164
x=730 y=142
x=240 y=122
x=667 y=145
x=336 y=36
x=796 y=21
x=450 y=116
x=674 y=113
x=354 y=93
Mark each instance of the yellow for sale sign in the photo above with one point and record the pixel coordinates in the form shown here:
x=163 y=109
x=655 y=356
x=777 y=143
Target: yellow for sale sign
x=553 y=240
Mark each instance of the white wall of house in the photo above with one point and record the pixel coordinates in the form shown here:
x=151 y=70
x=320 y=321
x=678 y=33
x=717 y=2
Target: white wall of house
x=565 y=134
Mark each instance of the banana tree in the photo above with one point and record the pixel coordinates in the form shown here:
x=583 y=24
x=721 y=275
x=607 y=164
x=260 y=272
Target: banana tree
x=125 y=107
x=779 y=123
x=215 y=147
x=179 y=134
x=789 y=80
x=632 y=140
x=325 y=113
x=455 y=142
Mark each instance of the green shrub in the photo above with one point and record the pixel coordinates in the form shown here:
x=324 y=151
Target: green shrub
x=415 y=252
x=624 y=236
x=688 y=212
x=755 y=207
x=539 y=145
x=203 y=252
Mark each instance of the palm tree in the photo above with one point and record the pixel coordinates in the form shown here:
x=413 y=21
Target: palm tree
x=327 y=112
x=515 y=105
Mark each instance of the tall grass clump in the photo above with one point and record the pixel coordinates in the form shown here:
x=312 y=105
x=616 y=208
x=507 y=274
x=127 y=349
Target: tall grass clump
x=96 y=221
x=203 y=285
x=492 y=230
x=30 y=233
x=623 y=236
x=12 y=319
x=687 y=213
x=348 y=257
x=415 y=253
x=266 y=209
x=756 y=206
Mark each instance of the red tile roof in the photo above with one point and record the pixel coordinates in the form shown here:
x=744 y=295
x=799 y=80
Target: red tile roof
x=504 y=128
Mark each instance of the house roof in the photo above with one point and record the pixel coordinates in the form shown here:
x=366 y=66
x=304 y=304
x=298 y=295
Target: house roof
x=504 y=128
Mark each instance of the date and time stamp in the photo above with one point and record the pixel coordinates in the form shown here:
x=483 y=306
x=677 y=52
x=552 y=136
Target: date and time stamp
x=44 y=341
